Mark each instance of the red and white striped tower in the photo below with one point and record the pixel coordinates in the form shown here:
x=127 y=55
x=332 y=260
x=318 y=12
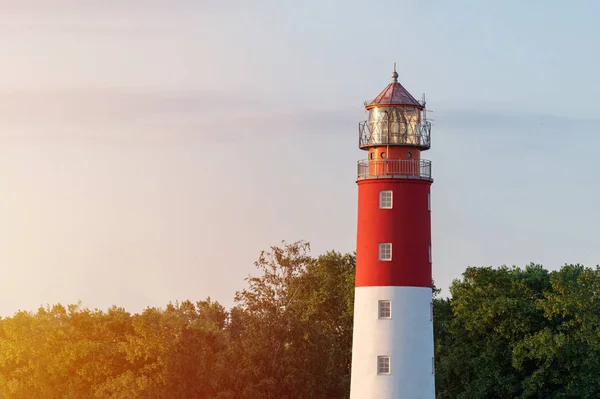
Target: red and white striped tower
x=392 y=350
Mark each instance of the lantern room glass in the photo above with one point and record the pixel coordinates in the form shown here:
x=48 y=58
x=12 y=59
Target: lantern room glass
x=394 y=125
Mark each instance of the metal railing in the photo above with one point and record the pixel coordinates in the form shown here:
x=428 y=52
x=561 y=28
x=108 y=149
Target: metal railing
x=394 y=169
x=385 y=132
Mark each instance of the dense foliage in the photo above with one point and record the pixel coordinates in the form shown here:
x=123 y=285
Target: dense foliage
x=520 y=333
x=505 y=333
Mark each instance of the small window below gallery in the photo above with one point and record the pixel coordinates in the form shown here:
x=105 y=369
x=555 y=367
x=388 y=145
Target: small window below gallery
x=383 y=155
x=383 y=365
x=371 y=155
x=385 y=251
x=385 y=309
x=385 y=200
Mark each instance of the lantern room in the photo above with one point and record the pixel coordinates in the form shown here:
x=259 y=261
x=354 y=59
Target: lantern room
x=395 y=117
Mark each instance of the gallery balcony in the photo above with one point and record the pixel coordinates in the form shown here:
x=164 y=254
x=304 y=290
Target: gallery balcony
x=394 y=169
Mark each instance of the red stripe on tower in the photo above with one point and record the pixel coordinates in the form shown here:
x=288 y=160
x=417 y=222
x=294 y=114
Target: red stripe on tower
x=406 y=226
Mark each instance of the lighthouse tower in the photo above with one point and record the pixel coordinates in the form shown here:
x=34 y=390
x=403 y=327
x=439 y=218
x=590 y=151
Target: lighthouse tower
x=392 y=349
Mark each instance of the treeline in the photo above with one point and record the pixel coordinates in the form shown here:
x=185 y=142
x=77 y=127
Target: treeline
x=505 y=333
x=520 y=333
x=288 y=336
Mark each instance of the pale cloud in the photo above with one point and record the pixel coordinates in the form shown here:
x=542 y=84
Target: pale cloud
x=176 y=116
x=123 y=115
x=514 y=121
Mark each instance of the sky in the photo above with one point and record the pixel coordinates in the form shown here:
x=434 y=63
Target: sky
x=148 y=153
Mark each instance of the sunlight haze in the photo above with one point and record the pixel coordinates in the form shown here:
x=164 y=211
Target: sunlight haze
x=148 y=153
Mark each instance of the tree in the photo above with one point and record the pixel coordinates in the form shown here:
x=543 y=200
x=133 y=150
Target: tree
x=296 y=319
x=562 y=359
x=326 y=307
x=172 y=352
x=492 y=311
x=60 y=352
x=268 y=309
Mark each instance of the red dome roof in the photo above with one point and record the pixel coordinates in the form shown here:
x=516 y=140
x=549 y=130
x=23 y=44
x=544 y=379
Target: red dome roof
x=394 y=95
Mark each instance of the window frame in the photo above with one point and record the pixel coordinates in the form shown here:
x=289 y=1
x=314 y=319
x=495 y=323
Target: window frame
x=379 y=364
x=381 y=194
x=389 y=309
x=379 y=255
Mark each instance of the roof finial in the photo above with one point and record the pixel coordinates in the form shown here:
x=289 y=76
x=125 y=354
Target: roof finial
x=395 y=75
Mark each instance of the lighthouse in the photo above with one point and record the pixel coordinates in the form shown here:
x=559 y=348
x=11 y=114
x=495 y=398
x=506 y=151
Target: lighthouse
x=392 y=347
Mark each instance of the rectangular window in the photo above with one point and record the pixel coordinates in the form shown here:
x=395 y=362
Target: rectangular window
x=383 y=365
x=385 y=309
x=430 y=260
x=429 y=202
x=385 y=251
x=385 y=199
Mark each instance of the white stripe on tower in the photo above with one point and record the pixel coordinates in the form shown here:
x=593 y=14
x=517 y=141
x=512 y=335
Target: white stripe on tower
x=406 y=337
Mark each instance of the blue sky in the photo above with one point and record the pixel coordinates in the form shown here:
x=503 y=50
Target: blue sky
x=149 y=153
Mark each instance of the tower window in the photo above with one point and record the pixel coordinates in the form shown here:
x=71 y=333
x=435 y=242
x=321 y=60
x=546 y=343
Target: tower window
x=382 y=155
x=385 y=251
x=385 y=199
x=385 y=309
x=371 y=155
x=383 y=365
x=429 y=202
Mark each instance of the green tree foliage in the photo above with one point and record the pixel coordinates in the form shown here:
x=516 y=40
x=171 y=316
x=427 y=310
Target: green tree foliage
x=520 y=333
x=298 y=326
x=564 y=355
x=288 y=336
x=60 y=352
x=503 y=333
